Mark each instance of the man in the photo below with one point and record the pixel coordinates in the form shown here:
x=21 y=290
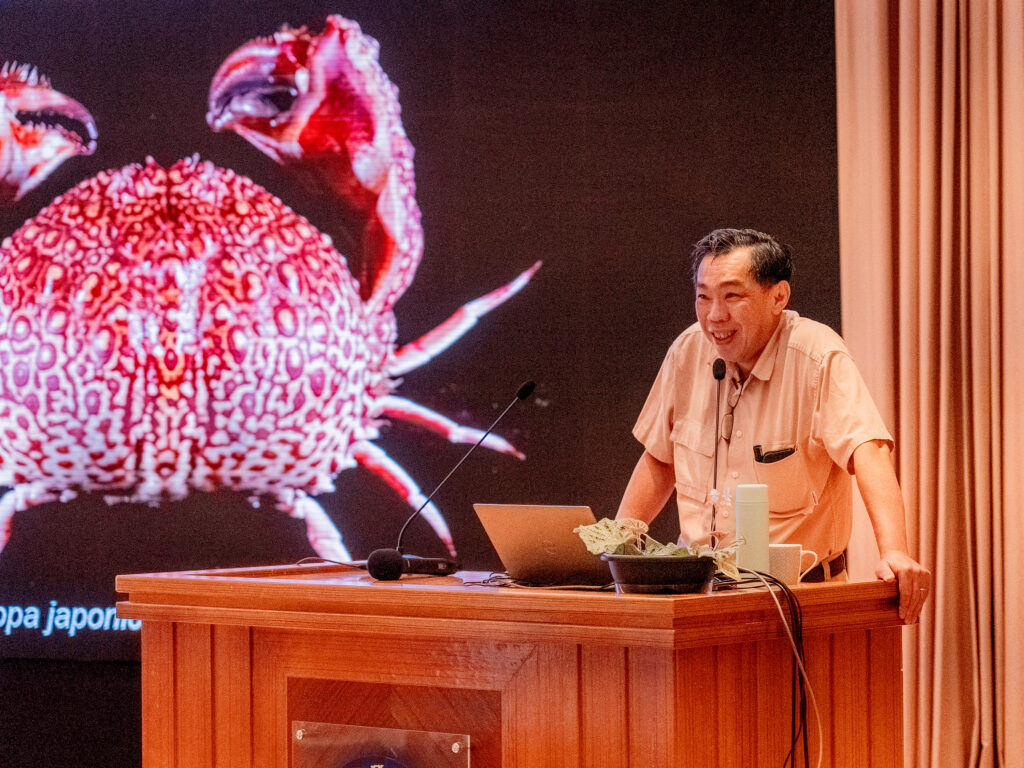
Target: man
x=796 y=416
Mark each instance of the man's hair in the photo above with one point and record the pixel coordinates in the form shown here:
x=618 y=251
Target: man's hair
x=770 y=261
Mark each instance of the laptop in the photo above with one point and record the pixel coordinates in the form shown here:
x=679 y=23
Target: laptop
x=536 y=543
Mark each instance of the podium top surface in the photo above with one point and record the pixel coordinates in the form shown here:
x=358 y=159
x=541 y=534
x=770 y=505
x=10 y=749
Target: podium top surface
x=335 y=597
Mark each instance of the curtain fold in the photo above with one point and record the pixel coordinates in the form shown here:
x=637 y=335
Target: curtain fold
x=930 y=101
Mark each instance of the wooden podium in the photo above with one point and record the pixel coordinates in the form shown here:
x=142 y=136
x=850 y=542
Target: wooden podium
x=545 y=678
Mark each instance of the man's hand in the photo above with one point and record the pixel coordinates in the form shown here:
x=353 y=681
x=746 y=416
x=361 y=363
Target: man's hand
x=876 y=478
x=913 y=579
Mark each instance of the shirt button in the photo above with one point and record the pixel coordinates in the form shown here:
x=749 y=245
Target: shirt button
x=735 y=474
x=725 y=513
x=739 y=433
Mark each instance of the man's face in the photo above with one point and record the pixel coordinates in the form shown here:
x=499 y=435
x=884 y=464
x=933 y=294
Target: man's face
x=736 y=313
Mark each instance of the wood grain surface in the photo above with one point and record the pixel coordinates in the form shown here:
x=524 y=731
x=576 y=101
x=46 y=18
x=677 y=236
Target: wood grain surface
x=231 y=659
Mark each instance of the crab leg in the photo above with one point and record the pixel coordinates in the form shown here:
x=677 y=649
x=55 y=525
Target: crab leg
x=407 y=410
x=416 y=353
x=382 y=465
x=323 y=536
x=20 y=498
x=8 y=506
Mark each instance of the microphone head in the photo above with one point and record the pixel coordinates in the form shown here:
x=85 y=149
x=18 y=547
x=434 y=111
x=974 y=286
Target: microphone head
x=718 y=369
x=384 y=564
x=526 y=390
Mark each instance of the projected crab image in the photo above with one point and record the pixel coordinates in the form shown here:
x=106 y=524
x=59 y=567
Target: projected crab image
x=164 y=330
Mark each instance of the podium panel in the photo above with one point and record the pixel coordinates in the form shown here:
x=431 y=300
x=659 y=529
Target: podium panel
x=233 y=659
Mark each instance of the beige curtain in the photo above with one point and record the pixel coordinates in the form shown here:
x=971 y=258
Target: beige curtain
x=931 y=211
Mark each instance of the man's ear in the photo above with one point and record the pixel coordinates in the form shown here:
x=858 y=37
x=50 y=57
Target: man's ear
x=780 y=295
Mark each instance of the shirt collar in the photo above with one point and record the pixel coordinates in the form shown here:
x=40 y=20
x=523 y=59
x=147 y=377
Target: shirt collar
x=766 y=360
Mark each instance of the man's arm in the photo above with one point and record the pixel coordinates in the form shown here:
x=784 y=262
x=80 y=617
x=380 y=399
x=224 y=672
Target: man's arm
x=649 y=488
x=876 y=478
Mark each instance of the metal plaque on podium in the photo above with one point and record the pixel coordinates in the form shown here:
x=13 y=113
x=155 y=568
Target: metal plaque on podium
x=330 y=745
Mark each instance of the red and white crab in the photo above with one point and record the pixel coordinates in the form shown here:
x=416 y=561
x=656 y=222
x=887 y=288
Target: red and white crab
x=164 y=330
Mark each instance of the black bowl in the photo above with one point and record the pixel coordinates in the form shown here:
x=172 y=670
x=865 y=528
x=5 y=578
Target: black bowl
x=660 y=574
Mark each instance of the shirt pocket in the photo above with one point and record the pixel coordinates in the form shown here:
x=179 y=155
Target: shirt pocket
x=693 y=448
x=789 y=485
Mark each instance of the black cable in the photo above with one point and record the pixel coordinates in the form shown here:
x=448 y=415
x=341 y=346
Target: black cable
x=798 y=690
x=357 y=564
x=798 y=687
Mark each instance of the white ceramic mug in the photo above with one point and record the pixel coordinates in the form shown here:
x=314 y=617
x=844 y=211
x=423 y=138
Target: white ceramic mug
x=786 y=561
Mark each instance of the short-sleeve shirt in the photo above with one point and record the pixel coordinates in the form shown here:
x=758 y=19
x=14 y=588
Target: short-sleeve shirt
x=804 y=392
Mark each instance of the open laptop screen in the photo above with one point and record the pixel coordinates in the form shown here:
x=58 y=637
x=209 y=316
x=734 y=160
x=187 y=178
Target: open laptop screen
x=536 y=543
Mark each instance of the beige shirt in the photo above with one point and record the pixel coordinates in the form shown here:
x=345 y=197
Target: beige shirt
x=804 y=392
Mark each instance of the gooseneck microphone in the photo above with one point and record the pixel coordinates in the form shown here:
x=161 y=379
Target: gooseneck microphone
x=390 y=564
x=718 y=371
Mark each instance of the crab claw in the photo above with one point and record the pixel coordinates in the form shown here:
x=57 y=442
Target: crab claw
x=40 y=128
x=323 y=102
x=299 y=97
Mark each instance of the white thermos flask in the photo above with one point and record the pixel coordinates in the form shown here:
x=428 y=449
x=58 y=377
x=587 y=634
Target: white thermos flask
x=752 y=527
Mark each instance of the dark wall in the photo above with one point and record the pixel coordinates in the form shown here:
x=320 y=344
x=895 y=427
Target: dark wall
x=600 y=138
x=63 y=713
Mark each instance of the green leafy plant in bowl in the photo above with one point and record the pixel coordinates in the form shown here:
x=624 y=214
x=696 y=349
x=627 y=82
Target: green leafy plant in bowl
x=641 y=564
